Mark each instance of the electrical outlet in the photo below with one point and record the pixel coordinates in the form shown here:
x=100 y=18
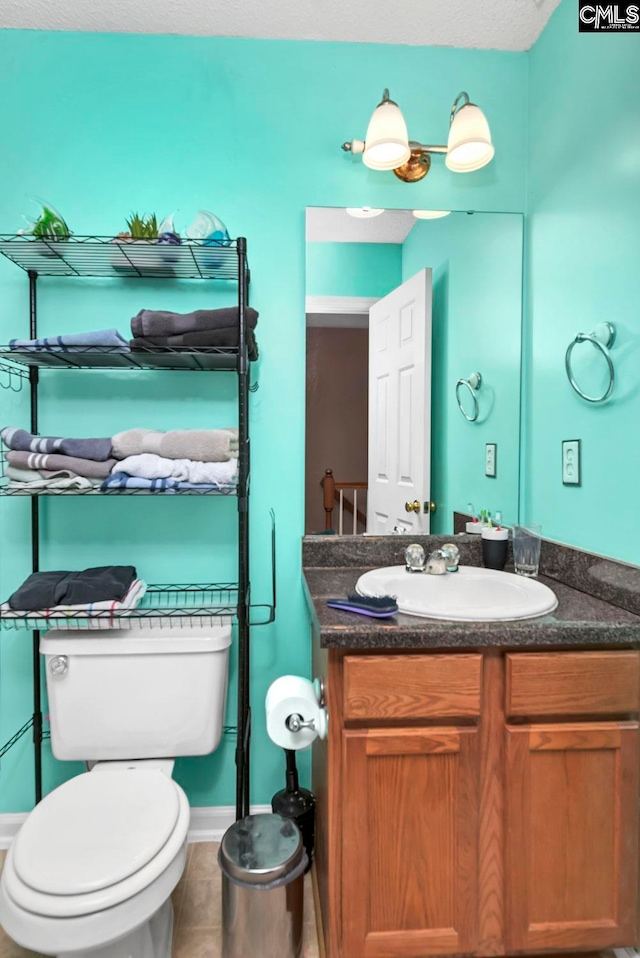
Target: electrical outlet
x=491 y=460
x=571 y=462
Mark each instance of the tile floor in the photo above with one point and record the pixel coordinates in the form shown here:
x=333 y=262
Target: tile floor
x=196 y=906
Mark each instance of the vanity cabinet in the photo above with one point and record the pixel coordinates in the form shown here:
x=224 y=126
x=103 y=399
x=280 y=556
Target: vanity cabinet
x=478 y=803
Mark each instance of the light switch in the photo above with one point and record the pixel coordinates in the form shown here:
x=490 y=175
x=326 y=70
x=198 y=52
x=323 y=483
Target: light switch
x=491 y=460
x=571 y=462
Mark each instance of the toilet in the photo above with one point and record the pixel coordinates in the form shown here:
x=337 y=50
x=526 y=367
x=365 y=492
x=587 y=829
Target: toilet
x=91 y=871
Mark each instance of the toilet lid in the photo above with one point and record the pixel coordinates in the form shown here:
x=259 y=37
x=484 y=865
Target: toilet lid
x=96 y=830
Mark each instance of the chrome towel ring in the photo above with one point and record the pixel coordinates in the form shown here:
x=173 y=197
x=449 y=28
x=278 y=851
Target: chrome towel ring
x=603 y=338
x=473 y=384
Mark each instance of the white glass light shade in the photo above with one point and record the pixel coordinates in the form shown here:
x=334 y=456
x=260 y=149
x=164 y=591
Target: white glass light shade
x=387 y=140
x=430 y=214
x=469 y=147
x=363 y=212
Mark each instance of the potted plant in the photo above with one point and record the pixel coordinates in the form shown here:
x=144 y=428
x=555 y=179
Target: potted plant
x=142 y=234
x=49 y=229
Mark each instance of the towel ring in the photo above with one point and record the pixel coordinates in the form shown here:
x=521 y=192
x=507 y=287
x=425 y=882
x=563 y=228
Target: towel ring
x=603 y=338
x=473 y=384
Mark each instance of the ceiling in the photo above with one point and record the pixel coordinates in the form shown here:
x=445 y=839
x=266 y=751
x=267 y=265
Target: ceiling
x=486 y=24
x=328 y=224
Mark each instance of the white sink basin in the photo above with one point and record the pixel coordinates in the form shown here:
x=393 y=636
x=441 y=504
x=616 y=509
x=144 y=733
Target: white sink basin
x=468 y=595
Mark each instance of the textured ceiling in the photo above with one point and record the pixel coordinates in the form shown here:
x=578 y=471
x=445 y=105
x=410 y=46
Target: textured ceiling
x=328 y=224
x=487 y=24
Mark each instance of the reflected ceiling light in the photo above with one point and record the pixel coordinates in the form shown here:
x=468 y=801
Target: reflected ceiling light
x=387 y=146
x=363 y=212
x=430 y=214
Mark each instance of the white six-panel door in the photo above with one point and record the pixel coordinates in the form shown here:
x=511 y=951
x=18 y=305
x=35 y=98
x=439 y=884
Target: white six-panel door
x=400 y=407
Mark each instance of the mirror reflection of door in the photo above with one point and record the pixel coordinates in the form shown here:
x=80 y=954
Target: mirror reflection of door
x=400 y=409
x=352 y=265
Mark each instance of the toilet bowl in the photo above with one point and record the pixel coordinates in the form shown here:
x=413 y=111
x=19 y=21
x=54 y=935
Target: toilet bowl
x=92 y=869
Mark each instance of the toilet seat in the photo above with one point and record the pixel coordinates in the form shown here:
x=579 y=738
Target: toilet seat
x=122 y=829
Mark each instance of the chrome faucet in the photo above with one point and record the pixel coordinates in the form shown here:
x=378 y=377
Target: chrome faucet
x=439 y=562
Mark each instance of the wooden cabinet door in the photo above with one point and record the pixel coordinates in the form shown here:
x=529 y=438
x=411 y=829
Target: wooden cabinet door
x=572 y=836
x=410 y=837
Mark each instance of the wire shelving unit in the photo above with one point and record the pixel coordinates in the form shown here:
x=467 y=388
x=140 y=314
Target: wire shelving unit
x=164 y=605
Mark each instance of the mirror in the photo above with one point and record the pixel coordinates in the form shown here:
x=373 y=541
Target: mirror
x=413 y=369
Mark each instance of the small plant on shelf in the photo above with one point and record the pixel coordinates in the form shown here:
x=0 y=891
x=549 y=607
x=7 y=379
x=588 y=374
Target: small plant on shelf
x=141 y=228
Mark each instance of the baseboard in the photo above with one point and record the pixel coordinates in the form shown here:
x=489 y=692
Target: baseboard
x=10 y=822
x=208 y=823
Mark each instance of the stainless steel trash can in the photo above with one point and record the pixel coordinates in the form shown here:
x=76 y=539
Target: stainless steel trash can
x=262 y=859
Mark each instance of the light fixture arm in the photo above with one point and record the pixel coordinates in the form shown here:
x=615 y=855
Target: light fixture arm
x=458 y=106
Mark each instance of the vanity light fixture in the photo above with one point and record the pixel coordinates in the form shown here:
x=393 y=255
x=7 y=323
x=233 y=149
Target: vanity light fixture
x=430 y=214
x=387 y=145
x=363 y=212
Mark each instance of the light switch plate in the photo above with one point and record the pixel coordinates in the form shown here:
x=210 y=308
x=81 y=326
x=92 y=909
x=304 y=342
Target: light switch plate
x=571 y=462
x=491 y=460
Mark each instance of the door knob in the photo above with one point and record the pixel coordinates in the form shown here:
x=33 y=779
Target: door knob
x=429 y=507
x=412 y=507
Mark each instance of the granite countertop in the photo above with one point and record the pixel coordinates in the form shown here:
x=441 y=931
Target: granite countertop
x=579 y=620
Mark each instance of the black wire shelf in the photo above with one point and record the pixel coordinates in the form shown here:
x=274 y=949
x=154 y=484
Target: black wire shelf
x=163 y=605
x=7 y=490
x=205 y=358
x=114 y=258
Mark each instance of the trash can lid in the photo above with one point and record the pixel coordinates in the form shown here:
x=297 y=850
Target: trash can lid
x=261 y=848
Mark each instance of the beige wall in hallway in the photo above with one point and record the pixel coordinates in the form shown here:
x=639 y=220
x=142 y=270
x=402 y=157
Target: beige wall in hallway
x=336 y=419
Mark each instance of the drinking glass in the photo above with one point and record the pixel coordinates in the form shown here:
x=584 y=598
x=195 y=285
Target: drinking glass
x=526 y=549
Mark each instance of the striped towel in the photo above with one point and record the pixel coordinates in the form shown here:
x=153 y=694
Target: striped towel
x=121 y=480
x=23 y=441
x=74 y=342
x=105 y=612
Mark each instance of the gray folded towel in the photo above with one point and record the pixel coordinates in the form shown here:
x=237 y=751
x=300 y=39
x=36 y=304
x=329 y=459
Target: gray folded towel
x=98 y=449
x=202 y=445
x=88 y=468
x=223 y=338
x=161 y=322
x=42 y=590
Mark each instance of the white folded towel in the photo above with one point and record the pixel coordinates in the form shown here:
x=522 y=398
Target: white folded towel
x=149 y=466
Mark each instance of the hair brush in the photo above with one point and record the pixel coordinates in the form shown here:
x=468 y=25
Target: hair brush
x=378 y=606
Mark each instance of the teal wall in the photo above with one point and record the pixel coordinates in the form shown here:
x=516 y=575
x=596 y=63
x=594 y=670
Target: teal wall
x=583 y=243
x=353 y=269
x=477 y=307
x=100 y=125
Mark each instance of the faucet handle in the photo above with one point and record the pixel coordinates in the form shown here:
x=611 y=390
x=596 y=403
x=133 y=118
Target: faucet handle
x=414 y=557
x=452 y=554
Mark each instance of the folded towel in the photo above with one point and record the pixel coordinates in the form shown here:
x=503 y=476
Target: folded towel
x=104 y=611
x=160 y=322
x=148 y=466
x=200 y=445
x=78 y=483
x=221 y=338
x=44 y=590
x=18 y=474
x=72 y=342
x=98 y=449
x=121 y=480
x=88 y=468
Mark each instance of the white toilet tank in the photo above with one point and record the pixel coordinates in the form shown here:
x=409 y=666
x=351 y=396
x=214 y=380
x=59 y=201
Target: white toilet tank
x=120 y=694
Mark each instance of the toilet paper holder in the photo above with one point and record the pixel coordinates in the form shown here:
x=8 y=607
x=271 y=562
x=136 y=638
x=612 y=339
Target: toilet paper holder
x=295 y=722
x=296 y=712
